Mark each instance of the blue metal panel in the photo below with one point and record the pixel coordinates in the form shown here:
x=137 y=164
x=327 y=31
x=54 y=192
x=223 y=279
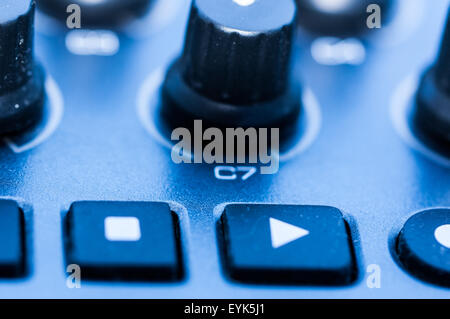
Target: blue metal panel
x=362 y=159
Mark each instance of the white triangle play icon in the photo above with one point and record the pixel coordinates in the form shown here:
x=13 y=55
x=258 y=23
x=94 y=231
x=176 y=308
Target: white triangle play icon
x=283 y=233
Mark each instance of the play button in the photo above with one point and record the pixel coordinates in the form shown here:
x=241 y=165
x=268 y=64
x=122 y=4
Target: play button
x=283 y=233
x=291 y=244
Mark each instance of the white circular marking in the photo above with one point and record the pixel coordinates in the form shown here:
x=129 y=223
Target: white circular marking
x=244 y=3
x=147 y=104
x=55 y=111
x=400 y=108
x=442 y=235
x=313 y=120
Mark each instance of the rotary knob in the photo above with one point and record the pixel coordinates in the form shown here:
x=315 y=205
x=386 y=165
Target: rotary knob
x=432 y=115
x=235 y=68
x=98 y=13
x=338 y=17
x=21 y=79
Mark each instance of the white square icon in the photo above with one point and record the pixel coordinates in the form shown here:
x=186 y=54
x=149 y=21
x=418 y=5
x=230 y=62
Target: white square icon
x=122 y=228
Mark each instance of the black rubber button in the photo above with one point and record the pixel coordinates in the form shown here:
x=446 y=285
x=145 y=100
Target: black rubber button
x=12 y=242
x=423 y=246
x=124 y=240
x=287 y=245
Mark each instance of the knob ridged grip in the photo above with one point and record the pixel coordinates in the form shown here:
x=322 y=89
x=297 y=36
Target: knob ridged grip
x=239 y=53
x=21 y=79
x=432 y=113
x=16 y=44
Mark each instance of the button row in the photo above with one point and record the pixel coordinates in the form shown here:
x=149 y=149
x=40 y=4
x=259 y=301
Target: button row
x=269 y=244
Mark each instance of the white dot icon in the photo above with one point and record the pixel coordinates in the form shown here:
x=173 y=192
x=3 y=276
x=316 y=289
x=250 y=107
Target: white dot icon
x=244 y=3
x=442 y=235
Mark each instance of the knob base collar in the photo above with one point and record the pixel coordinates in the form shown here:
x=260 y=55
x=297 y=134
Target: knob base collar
x=183 y=104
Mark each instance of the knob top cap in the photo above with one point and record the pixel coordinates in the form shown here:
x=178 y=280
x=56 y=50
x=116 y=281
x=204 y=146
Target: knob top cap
x=248 y=15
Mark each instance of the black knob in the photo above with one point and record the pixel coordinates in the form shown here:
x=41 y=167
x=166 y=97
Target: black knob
x=97 y=13
x=432 y=116
x=21 y=80
x=235 y=68
x=341 y=17
x=443 y=63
